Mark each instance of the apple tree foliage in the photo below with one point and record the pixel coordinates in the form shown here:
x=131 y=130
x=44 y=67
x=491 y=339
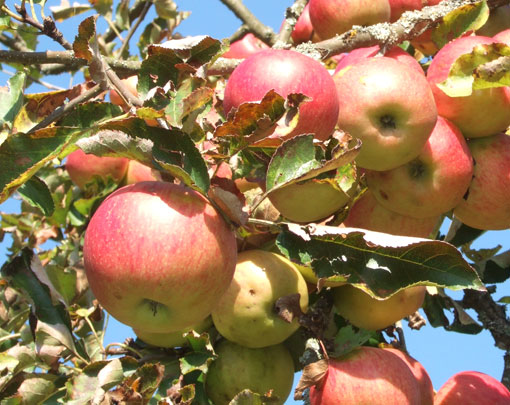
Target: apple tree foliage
x=51 y=327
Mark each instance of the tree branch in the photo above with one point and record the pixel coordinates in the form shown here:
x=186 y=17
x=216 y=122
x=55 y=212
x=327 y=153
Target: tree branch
x=125 y=43
x=291 y=17
x=242 y=12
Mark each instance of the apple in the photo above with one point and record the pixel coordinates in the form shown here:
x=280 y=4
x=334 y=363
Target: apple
x=503 y=37
x=431 y=184
x=303 y=30
x=245 y=313
x=172 y=339
x=137 y=172
x=487 y=205
x=333 y=17
x=424 y=41
x=311 y=200
x=286 y=72
x=260 y=370
x=130 y=83
x=499 y=20
x=421 y=375
x=141 y=257
x=472 y=388
x=367 y=213
x=469 y=113
x=398 y=7
x=360 y=54
x=244 y=47
x=374 y=106
x=367 y=375
x=367 y=312
x=83 y=167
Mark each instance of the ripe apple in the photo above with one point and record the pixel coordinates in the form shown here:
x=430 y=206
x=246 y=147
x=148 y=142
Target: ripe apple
x=469 y=113
x=172 y=339
x=499 y=20
x=260 y=370
x=487 y=205
x=431 y=184
x=244 y=47
x=286 y=72
x=421 y=375
x=130 y=82
x=303 y=30
x=424 y=41
x=137 y=172
x=141 y=257
x=366 y=312
x=83 y=167
x=367 y=375
x=374 y=104
x=398 y=7
x=294 y=201
x=360 y=54
x=367 y=213
x=503 y=36
x=472 y=388
x=245 y=313
x=332 y=17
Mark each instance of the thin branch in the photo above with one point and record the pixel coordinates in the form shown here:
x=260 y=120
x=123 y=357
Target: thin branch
x=134 y=27
x=14 y=43
x=291 y=17
x=242 y=12
x=239 y=34
x=134 y=12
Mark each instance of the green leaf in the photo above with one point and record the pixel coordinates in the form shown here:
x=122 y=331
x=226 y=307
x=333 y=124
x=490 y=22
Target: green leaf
x=122 y=15
x=469 y=17
x=151 y=34
x=37 y=387
x=103 y=7
x=461 y=234
x=11 y=100
x=348 y=339
x=37 y=194
x=195 y=51
x=495 y=269
x=479 y=69
x=64 y=281
x=247 y=397
x=90 y=115
x=378 y=263
x=504 y=300
x=191 y=95
x=201 y=356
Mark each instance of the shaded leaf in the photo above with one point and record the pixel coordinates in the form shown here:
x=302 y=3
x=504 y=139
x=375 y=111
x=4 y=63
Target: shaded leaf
x=66 y=10
x=378 y=263
x=36 y=388
x=461 y=234
x=37 y=194
x=11 y=100
x=312 y=375
x=191 y=95
x=229 y=204
x=247 y=397
x=348 y=339
x=86 y=32
x=495 y=269
x=195 y=51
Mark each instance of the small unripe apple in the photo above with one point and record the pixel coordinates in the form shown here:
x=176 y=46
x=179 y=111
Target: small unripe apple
x=83 y=167
x=260 y=370
x=246 y=314
x=366 y=312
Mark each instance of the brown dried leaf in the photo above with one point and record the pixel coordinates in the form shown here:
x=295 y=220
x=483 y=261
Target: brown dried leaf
x=288 y=307
x=229 y=204
x=313 y=374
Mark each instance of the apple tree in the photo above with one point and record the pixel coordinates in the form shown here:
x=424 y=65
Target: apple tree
x=323 y=158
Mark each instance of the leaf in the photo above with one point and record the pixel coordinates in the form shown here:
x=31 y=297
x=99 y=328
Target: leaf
x=195 y=51
x=201 y=356
x=247 y=397
x=378 y=263
x=469 y=17
x=312 y=375
x=37 y=194
x=460 y=234
x=190 y=96
x=348 y=339
x=86 y=32
x=469 y=72
x=288 y=308
x=65 y=10
x=37 y=387
x=11 y=100
x=495 y=269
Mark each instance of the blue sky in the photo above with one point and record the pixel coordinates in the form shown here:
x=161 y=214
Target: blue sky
x=442 y=353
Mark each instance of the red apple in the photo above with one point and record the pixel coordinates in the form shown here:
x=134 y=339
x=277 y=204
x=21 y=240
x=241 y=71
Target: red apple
x=398 y=7
x=374 y=97
x=472 y=388
x=83 y=167
x=360 y=54
x=487 y=205
x=303 y=30
x=367 y=375
x=431 y=184
x=421 y=375
x=142 y=261
x=244 y=47
x=332 y=17
x=245 y=313
x=469 y=113
x=367 y=213
x=260 y=370
x=287 y=72
x=130 y=82
x=364 y=311
x=137 y=172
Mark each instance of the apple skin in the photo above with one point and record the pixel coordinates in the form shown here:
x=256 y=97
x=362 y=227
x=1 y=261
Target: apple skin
x=172 y=339
x=366 y=312
x=431 y=184
x=374 y=106
x=303 y=30
x=244 y=47
x=130 y=82
x=245 y=314
x=503 y=36
x=472 y=388
x=487 y=205
x=367 y=375
x=137 y=172
x=421 y=375
x=83 y=167
x=367 y=213
x=398 y=7
x=360 y=54
x=332 y=17
x=138 y=262
x=287 y=72
x=238 y=368
x=469 y=113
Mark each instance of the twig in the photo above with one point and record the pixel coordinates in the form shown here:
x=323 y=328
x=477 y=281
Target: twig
x=134 y=27
x=291 y=17
x=242 y=12
x=240 y=32
x=36 y=80
x=16 y=44
x=134 y=12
